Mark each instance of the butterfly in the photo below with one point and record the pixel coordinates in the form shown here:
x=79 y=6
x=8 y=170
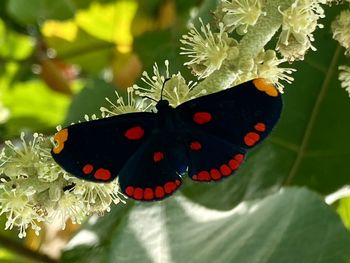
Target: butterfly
x=206 y=138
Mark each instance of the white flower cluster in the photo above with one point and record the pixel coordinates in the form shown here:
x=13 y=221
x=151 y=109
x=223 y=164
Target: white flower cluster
x=208 y=51
x=341 y=30
x=175 y=89
x=239 y=14
x=33 y=188
x=344 y=77
x=300 y=20
x=266 y=65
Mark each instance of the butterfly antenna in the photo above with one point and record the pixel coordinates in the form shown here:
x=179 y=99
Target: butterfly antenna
x=161 y=92
x=149 y=98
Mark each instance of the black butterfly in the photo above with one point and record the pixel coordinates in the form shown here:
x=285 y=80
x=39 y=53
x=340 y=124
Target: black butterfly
x=206 y=137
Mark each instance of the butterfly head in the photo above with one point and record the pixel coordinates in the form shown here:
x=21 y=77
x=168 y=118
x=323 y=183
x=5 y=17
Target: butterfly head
x=162 y=104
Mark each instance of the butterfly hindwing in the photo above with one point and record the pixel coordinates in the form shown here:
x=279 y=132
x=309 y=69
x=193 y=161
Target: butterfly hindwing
x=154 y=171
x=97 y=150
x=243 y=115
x=211 y=158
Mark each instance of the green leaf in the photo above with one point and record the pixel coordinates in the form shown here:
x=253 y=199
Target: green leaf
x=91 y=54
x=30 y=12
x=343 y=209
x=89 y=101
x=33 y=107
x=310 y=145
x=293 y=225
x=14 y=45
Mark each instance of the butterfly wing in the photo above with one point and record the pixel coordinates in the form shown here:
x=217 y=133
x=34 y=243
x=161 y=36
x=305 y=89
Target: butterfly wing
x=154 y=171
x=243 y=115
x=212 y=158
x=232 y=120
x=97 y=150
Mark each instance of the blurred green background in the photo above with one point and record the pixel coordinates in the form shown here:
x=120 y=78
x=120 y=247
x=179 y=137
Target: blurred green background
x=60 y=59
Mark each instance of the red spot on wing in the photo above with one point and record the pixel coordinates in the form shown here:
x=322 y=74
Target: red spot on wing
x=134 y=133
x=158 y=156
x=169 y=187
x=87 y=169
x=129 y=191
x=159 y=193
x=225 y=170
x=138 y=193
x=195 y=146
x=239 y=157
x=148 y=194
x=236 y=161
x=102 y=174
x=251 y=138
x=203 y=176
x=202 y=117
x=234 y=164
x=215 y=174
x=261 y=127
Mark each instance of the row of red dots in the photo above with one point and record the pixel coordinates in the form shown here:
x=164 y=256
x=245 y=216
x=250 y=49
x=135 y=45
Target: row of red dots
x=100 y=174
x=223 y=171
x=149 y=194
x=251 y=138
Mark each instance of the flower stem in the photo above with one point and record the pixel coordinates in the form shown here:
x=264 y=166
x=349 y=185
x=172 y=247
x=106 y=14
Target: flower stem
x=21 y=250
x=261 y=33
x=250 y=45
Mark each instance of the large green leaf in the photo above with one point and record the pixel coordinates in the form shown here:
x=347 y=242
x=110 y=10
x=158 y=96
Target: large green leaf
x=31 y=12
x=293 y=225
x=311 y=143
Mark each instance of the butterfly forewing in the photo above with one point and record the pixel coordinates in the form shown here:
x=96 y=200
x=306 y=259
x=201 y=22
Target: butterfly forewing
x=242 y=115
x=97 y=150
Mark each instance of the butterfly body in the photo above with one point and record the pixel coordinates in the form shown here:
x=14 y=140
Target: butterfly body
x=206 y=137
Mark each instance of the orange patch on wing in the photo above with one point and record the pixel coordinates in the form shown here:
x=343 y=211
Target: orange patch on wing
x=60 y=138
x=268 y=88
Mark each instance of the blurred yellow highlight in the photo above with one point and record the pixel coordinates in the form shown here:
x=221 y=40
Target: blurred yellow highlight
x=63 y=29
x=110 y=22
